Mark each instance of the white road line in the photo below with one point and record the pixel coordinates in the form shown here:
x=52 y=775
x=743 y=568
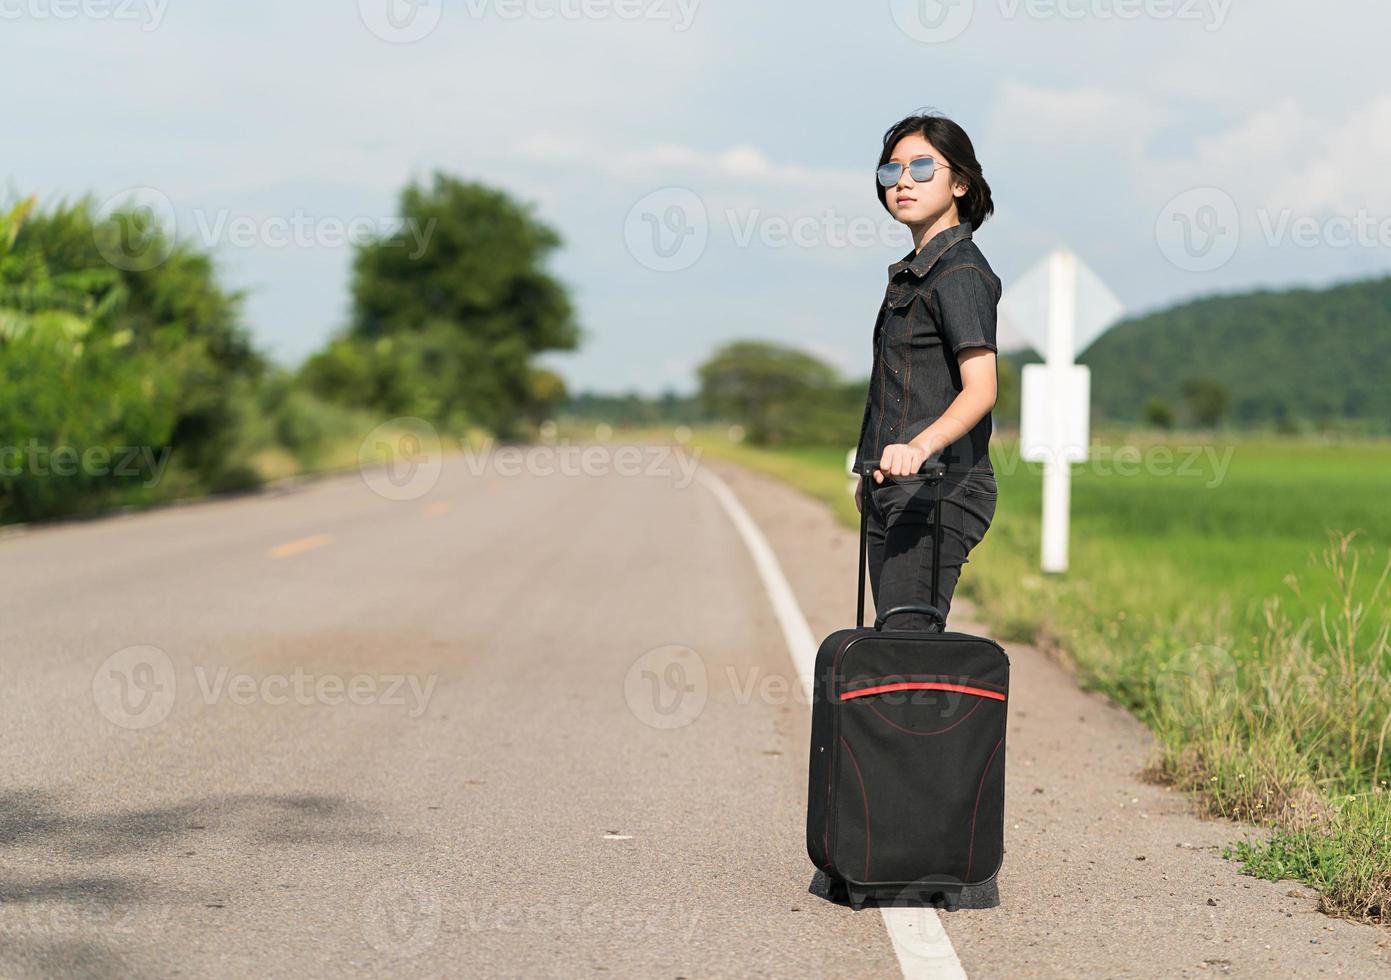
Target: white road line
x=924 y=951
x=795 y=630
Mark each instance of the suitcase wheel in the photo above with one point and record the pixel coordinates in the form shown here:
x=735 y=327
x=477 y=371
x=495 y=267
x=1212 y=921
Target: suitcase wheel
x=983 y=896
x=951 y=898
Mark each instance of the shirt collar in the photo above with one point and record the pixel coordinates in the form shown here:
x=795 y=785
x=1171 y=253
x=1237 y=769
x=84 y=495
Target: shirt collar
x=921 y=262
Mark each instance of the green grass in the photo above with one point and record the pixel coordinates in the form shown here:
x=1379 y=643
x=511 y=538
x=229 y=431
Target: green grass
x=1232 y=595
x=1343 y=856
x=1238 y=532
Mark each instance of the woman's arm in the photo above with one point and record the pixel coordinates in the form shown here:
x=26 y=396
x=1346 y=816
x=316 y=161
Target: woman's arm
x=976 y=398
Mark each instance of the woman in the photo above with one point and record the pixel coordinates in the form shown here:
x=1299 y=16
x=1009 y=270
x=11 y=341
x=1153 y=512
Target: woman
x=933 y=383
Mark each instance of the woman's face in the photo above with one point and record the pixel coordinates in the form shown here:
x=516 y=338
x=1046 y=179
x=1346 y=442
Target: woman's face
x=913 y=203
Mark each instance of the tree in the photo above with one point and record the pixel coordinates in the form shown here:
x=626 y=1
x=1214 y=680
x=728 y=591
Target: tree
x=1207 y=400
x=779 y=394
x=449 y=311
x=1159 y=413
x=76 y=387
x=1008 y=390
x=547 y=394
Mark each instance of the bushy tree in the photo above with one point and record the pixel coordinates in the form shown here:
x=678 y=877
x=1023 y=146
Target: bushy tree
x=97 y=354
x=1207 y=400
x=1159 y=413
x=780 y=395
x=449 y=311
x=72 y=389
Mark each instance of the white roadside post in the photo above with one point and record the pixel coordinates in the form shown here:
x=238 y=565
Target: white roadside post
x=1058 y=306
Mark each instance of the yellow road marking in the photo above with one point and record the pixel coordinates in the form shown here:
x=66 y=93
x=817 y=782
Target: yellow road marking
x=291 y=548
x=437 y=508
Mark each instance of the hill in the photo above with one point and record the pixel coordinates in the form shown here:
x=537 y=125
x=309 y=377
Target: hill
x=1285 y=358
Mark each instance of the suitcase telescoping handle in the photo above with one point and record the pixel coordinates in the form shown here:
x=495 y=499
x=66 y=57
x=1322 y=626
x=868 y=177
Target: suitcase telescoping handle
x=935 y=470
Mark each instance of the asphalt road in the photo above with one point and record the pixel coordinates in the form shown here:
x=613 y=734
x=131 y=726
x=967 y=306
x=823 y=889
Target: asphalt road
x=522 y=724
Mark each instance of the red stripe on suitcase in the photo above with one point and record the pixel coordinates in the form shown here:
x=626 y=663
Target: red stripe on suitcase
x=922 y=686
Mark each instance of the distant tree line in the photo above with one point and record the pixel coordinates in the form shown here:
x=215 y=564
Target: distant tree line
x=1293 y=361
x=780 y=395
x=634 y=410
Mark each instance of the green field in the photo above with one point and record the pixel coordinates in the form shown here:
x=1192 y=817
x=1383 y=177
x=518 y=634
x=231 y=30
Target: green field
x=1233 y=595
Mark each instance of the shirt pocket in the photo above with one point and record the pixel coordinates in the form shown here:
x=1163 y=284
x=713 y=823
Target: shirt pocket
x=910 y=325
x=900 y=302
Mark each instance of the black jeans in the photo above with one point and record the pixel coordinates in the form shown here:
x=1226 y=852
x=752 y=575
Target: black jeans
x=901 y=544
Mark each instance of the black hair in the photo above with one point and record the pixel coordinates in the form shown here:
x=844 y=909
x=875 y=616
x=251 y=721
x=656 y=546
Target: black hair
x=951 y=140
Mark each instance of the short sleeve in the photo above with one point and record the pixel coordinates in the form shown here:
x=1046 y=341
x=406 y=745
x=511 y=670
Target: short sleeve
x=966 y=304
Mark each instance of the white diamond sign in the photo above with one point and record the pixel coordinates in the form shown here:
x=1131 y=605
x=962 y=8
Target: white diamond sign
x=1024 y=306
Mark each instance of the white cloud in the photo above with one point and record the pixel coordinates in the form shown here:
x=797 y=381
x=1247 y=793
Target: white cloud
x=1277 y=156
x=1283 y=157
x=1343 y=165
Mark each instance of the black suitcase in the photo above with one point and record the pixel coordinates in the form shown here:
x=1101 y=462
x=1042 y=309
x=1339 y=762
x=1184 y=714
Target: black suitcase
x=906 y=788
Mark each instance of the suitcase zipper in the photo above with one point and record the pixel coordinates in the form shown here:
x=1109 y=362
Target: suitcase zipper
x=921 y=686
x=833 y=747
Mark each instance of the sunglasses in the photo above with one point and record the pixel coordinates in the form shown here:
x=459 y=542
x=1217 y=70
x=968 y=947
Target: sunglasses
x=921 y=170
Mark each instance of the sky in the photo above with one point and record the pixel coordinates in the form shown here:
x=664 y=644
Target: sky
x=708 y=163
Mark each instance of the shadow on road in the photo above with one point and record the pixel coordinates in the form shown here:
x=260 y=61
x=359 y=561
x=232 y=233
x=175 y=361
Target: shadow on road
x=88 y=922
x=38 y=818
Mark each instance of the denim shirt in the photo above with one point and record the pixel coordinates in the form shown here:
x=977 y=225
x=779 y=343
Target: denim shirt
x=940 y=301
